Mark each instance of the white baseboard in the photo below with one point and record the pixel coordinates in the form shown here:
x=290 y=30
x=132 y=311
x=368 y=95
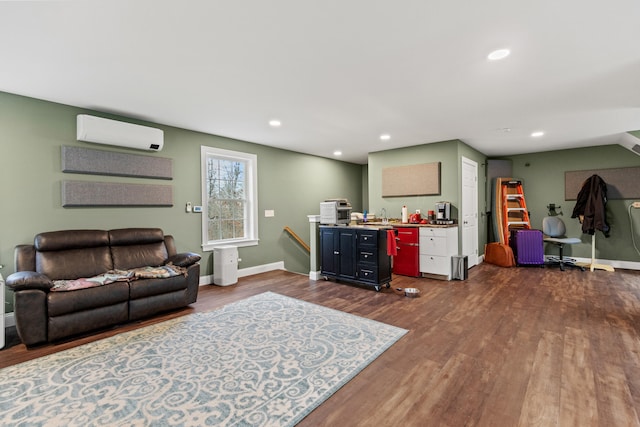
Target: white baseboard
x=249 y=271
x=627 y=265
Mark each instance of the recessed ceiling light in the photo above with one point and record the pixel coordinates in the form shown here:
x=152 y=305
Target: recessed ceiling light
x=499 y=54
x=385 y=137
x=537 y=134
x=337 y=153
x=274 y=123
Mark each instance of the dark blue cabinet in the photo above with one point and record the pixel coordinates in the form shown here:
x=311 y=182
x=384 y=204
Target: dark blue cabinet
x=355 y=254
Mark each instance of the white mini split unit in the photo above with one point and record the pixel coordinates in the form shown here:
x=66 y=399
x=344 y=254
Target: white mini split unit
x=630 y=142
x=112 y=132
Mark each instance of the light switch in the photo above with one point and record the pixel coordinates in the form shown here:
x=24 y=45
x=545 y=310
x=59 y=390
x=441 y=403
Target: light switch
x=269 y=213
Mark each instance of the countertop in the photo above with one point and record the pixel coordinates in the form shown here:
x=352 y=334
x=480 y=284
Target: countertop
x=379 y=225
x=395 y=223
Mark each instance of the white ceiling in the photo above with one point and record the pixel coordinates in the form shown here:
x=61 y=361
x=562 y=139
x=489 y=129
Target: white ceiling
x=339 y=73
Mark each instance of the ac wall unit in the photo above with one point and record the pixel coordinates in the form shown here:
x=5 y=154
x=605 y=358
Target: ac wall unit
x=112 y=132
x=630 y=142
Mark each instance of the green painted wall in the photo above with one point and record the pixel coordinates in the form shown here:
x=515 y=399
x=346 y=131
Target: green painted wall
x=543 y=181
x=32 y=133
x=449 y=153
x=444 y=152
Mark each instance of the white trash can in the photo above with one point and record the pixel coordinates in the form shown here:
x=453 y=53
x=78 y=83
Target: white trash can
x=459 y=267
x=225 y=265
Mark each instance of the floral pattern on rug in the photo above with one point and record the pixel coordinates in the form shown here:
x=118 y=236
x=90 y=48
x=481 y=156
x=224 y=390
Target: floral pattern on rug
x=268 y=360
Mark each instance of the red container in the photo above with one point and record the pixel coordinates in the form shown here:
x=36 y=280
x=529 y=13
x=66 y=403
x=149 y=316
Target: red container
x=407 y=262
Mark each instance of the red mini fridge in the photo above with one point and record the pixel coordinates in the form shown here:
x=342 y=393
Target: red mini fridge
x=407 y=262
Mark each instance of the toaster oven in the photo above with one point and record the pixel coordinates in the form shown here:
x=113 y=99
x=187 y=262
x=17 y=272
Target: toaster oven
x=335 y=211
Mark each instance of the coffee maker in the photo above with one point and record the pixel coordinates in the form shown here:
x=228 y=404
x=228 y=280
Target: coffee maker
x=443 y=211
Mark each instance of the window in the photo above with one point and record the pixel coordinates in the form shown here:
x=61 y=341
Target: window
x=229 y=198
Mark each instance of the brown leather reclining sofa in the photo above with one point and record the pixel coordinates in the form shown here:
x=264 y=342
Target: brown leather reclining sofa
x=43 y=315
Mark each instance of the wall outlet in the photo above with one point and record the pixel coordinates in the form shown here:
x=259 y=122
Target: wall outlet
x=636 y=205
x=268 y=213
x=418 y=211
x=187 y=208
x=197 y=209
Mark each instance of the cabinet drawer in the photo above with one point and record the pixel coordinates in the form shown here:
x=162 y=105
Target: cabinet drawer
x=433 y=232
x=368 y=274
x=435 y=264
x=367 y=255
x=368 y=237
x=431 y=245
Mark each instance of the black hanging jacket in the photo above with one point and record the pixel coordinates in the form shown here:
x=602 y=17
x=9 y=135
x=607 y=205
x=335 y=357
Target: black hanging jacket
x=591 y=206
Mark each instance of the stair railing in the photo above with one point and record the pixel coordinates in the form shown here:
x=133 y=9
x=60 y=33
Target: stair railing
x=297 y=238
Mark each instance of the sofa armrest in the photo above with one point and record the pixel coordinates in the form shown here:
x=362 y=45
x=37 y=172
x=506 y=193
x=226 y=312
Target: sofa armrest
x=22 y=280
x=184 y=259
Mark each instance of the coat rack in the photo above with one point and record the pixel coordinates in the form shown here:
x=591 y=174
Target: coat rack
x=592 y=199
x=593 y=266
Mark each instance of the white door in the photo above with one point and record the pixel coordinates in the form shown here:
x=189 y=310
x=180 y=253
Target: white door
x=469 y=210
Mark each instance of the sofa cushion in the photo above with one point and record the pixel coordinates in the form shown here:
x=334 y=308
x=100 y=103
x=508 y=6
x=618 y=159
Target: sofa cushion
x=146 y=287
x=135 y=236
x=145 y=307
x=88 y=320
x=75 y=263
x=137 y=247
x=72 y=254
x=70 y=239
x=132 y=256
x=60 y=303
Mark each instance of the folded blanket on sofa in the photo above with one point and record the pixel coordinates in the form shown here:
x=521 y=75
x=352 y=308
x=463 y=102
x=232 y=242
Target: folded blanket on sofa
x=161 y=272
x=111 y=276
x=91 y=282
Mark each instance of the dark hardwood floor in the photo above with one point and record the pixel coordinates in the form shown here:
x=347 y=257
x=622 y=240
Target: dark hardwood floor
x=507 y=347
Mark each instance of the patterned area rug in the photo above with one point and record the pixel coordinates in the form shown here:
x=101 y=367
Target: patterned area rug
x=268 y=360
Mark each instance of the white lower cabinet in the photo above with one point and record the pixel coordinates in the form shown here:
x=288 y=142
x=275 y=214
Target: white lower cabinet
x=437 y=246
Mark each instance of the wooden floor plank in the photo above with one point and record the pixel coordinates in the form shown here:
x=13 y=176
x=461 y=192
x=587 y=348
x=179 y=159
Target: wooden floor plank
x=541 y=402
x=508 y=346
x=578 y=404
x=615 y=404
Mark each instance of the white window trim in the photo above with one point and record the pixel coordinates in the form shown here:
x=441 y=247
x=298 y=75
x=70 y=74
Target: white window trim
x=251 y=192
